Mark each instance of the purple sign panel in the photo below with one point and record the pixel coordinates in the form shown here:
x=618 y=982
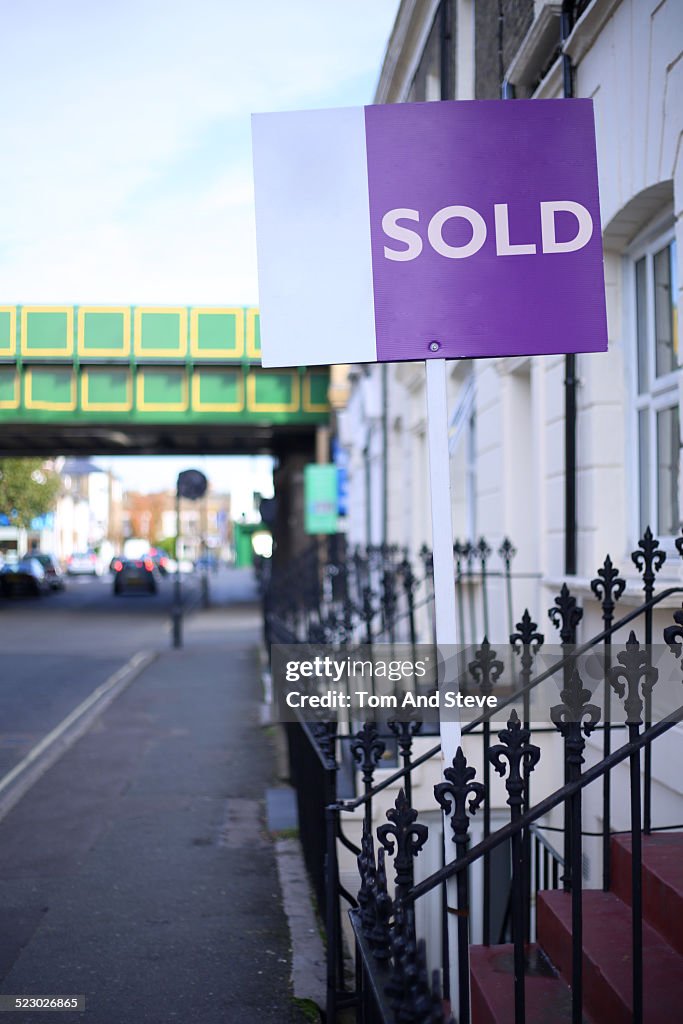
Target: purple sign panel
x=485 y=228
x=429 y=230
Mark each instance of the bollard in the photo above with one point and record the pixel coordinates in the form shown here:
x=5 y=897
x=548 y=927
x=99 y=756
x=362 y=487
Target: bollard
x=177 y=613
x=177 y=625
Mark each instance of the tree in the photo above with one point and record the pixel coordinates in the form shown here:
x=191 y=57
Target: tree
x=27 y=489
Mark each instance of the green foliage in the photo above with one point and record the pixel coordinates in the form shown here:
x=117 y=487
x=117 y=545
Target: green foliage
x=167 y=545
x=306 y=1010
x=27 y=490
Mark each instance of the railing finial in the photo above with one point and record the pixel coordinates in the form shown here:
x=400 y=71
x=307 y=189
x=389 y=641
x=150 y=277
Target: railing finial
x=522 y=758
x=460 y=796
x=608 y=586
x=648 y=559
x=406 y=837
x=566 y=615
x=625 y=678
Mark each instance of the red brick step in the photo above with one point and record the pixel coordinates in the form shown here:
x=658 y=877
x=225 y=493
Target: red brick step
x=548 y=998
x=607 y=957
x=662 y=880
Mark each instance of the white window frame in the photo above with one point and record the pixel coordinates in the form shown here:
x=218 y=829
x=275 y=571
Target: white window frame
x=663 y=392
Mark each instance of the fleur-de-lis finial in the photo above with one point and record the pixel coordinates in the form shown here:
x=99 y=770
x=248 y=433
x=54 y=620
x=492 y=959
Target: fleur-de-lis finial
x=484 y=552
x=427 y=560
x=673 y=635
x=507 y=552
x=404 y=836
x=405 y=571
x=527 y=641
x=522 y=758
x=458 y=554
x=368 y=610
x=485 y=669
x=348 y=614
x=574 y=713
x=634 y=667
x=566 y=615
x=648 y=559
x=405 y=730
x=389 y=596
x=460 y=796
x=366 y=750
x=608 y=587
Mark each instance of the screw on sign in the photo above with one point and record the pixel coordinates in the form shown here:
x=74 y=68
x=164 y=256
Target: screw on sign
x=192 y=484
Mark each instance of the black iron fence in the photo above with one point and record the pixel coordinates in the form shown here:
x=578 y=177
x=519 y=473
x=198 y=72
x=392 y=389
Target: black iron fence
x=378 y=595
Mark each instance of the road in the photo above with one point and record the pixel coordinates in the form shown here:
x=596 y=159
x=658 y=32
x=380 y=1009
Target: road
x=136 y=870
x=57 y=649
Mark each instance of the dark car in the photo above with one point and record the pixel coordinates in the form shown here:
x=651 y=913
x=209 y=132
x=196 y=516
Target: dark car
x=27 y=577
x=53 y=572
x=134 y=574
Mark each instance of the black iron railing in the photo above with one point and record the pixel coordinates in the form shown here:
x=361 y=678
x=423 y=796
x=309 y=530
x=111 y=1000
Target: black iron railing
x=379 y=596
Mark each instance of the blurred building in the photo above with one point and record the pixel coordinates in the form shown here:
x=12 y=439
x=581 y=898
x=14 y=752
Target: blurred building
x=205 y=525
x=88 y=514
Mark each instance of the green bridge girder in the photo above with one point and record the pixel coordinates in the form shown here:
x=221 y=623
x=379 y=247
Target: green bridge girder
x=147 y=378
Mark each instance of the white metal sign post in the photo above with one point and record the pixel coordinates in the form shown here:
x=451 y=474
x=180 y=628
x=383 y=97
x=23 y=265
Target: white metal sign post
x=444 y=598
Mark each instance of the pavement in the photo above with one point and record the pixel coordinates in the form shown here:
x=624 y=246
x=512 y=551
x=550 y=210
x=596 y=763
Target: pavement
x=138 y=870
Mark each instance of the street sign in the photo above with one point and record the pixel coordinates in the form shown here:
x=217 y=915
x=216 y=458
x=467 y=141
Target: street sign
x=192 y=484
x=341 y=460
x=428 y=230
x=320 y=498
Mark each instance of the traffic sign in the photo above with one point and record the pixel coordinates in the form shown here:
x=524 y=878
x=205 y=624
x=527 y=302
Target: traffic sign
x=192 y=484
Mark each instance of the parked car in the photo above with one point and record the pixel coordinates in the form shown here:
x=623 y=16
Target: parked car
x=26 y=577
x=134 y=574
x=84 y=563
x=53 y=572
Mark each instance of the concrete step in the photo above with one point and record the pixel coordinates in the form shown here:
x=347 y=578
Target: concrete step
x=607 y=958
x=547 y=996
x=662 y=881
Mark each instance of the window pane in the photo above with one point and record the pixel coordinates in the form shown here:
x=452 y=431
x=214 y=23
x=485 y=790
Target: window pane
x=644 y=469
x=668 y=444
x=641 y=325
x=666 y=359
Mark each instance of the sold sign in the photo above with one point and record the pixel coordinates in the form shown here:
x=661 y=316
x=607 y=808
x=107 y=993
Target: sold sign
x=428 y=230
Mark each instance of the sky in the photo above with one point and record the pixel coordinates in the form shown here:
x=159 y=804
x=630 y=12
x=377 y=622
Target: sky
x=126 y=175
x=238 y=475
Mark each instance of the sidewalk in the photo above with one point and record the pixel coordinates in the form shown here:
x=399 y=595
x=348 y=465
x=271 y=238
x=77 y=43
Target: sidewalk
x=137 y=871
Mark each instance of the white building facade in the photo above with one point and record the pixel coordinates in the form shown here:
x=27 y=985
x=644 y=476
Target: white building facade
x=507 y=431
x=507 y=416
